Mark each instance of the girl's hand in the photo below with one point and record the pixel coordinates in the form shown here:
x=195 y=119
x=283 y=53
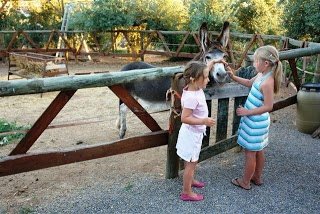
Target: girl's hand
x=211 y=63
x=208 y=121
x=229 y=69
x=242 y=111
x=230 y=72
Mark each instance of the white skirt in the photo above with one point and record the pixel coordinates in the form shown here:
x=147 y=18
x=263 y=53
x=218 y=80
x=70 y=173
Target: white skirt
x=189 y=144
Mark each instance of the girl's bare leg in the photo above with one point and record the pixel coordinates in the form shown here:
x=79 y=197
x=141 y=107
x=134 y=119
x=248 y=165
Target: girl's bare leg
x=260 y=160
x=188 y=177
x=249 y=169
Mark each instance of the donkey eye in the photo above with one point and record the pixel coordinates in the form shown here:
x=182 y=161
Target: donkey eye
x=208 y=57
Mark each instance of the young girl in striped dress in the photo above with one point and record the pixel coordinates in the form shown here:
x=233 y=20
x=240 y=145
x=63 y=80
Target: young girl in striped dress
x=255 y=121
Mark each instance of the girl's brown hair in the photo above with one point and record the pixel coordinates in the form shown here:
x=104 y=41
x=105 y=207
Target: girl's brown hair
x=271 y=54
x=193 y=71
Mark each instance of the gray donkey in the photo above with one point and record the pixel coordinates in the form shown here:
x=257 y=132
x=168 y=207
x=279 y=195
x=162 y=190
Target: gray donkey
x=152 y=94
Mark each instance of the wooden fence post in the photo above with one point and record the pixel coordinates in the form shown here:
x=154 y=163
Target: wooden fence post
x=206 y=138
x=173 y=160
x=172 y=157
x=222 y=119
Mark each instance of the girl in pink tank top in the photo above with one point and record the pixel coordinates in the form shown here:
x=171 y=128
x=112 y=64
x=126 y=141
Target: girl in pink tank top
x=194 y=118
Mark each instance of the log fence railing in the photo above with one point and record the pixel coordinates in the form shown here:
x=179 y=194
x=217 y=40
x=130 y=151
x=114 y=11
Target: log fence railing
x=137 y=42
x=20 y=161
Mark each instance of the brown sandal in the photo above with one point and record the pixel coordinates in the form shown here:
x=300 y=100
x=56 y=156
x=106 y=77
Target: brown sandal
x=236 y=183
x=256 y=183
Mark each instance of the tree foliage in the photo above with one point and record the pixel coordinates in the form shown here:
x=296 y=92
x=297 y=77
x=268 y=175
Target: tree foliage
x=214 y=12
x=258 y=16
x=105 y=15
x=302 y=19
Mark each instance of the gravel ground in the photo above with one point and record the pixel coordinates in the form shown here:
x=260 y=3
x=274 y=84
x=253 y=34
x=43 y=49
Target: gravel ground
x=291 y=185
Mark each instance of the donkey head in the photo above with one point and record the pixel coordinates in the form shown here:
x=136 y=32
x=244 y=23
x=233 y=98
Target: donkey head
x=214 y=50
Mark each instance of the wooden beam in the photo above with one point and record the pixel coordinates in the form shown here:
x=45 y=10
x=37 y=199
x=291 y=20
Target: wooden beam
x=39 y=50
x=218 y=148
x=43 y=122
x=163 y=41
x=247 y=48
x=297 y=53
x=13 y=39
x=293 y=66
x=49 y=40
x=196 y=39
x=172 y=165
x=222 y=119
x=206 y=138
x=149 y=40
x=32 y=161
x=170 y=54
x=182 y=44
x=227 y=90
x=30 y=40
x=3 y=4
x=125 y=34
x=284 y=103
x=62 y=83
x=135 y=107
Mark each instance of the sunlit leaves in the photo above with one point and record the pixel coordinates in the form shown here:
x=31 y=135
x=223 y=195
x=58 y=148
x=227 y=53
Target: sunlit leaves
x=302 y=19
x=258 y=16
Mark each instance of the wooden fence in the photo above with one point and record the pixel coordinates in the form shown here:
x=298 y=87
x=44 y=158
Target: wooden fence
x=20 y=161
x=136 y=43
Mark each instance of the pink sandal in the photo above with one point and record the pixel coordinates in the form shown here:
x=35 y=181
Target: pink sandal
x=186 y=197
x=199 y=184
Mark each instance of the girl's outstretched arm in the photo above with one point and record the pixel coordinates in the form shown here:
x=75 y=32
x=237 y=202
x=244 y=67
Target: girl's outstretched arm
x=246 y=82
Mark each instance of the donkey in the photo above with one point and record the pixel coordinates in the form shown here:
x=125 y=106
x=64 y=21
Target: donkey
x=152 y=94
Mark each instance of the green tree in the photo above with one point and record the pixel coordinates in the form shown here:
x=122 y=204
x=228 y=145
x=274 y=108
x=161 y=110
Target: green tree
x=166 y=15
x=45 y=15
x=158 y=14
x=104 y=15
x=258 y=16
x=214 y=12
x=302 y=19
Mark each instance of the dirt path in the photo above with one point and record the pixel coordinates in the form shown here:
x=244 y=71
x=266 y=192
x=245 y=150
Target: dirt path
x=22 y=191
x=18 y=192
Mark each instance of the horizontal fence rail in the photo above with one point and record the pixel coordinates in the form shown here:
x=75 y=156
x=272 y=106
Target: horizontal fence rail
x=40 y=85
x=106 y=43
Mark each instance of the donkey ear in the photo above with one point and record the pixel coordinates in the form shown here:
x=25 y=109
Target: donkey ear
x=223 y=38
x=203 y=33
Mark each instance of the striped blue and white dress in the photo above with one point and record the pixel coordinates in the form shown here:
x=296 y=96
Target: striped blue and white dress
x=253 y=130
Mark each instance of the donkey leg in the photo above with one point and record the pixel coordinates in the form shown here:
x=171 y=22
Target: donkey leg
x=122 y=120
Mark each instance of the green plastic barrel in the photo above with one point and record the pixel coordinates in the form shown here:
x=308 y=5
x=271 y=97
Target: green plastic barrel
x=308 y=108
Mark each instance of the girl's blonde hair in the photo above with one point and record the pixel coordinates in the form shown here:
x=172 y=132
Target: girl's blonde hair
x=193 y=71
x=271 y=54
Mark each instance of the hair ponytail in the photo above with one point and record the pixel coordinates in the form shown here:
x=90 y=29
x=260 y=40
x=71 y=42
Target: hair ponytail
x=277 y=75
x=271 y=54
